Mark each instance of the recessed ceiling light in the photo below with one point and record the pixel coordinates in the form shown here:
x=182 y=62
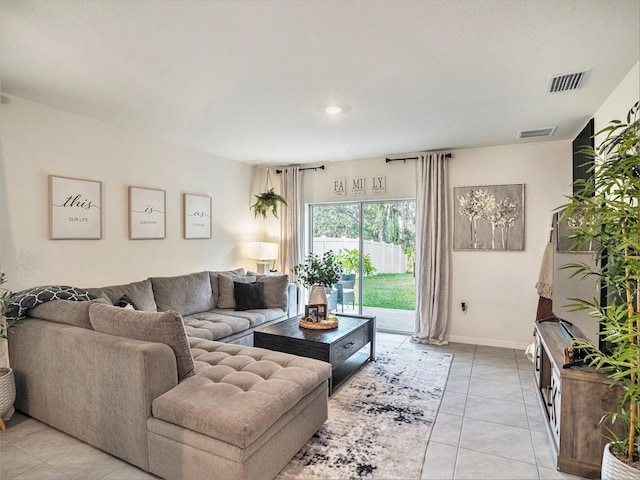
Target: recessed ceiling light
x=333 y=110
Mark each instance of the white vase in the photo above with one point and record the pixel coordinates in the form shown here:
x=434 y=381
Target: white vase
x=318 y=296
x=614 y=469
x=7 y=395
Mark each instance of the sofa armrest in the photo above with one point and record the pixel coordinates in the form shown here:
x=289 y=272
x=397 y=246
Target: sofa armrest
x=94 y=386
x=292 y=300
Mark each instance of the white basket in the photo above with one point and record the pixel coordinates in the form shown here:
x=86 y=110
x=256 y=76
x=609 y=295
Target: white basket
x=614 y=469
x=7 y=392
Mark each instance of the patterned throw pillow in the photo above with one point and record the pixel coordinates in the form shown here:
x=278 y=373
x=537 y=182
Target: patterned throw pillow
x=22 y=301
x=126 y=302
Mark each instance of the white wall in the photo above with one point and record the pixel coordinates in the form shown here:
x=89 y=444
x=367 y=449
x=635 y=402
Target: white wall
x=38 y=141
x=614 y=107
x=620 y=101
x=498 y=287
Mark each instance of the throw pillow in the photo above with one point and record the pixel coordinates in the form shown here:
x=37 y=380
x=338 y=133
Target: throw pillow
x=226 y=299
x=126 y=302
x=186 y=294
x=22 y=301
x=213 y=276
x=68 y=312
x=248 y=296
x=140 y=293
x=159 y=327
x=275 y=290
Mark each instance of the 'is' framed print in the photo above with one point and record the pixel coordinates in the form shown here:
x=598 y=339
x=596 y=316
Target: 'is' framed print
x=147 y=213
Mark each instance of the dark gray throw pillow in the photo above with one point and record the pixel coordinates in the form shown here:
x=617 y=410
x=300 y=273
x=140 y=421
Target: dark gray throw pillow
x=248 y=296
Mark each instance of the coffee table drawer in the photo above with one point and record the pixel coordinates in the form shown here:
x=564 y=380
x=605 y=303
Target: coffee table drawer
x=347 y=346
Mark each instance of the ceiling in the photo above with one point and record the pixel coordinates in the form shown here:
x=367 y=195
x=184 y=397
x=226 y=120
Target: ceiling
x=248 y=80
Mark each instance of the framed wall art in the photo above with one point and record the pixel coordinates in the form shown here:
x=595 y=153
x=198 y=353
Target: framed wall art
x=75 y=209
x=146 y=213
x=564 y=231
x=488 y=217
x=197 y=216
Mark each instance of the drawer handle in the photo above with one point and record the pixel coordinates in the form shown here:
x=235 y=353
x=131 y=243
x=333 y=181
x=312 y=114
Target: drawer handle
x=349 y=345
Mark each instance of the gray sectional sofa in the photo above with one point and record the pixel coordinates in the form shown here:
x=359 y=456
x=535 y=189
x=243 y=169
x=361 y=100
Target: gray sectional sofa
x=173 y=387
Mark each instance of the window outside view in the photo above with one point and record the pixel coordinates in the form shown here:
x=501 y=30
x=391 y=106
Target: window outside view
x=387 y=288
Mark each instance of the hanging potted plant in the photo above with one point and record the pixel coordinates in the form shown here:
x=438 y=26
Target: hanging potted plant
x=320 y=274
x=609 y=206
x=267 y=200
x=7 y=380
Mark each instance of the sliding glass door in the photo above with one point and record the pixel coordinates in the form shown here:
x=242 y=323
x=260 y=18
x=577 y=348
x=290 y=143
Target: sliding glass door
x=376 y=244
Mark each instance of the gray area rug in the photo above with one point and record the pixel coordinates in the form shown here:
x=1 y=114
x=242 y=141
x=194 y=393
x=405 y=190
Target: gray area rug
x=379 y=421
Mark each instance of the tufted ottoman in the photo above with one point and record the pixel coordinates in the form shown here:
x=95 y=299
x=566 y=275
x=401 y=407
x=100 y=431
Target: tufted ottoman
x=244 y=415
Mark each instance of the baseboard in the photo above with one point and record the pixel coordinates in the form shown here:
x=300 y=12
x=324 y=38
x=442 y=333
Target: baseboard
x=489 y=342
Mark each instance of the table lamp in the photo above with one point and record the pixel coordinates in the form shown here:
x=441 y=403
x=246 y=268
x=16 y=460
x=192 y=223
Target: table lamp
x=264 y=253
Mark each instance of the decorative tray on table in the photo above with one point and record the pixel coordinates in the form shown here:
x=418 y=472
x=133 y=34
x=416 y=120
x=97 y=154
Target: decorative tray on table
x=328 y=324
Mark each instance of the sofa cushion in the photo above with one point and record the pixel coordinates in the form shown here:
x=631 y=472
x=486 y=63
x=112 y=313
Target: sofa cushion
x=239 y=391
x=248 y=296
x=213 y=277
x=159 y=327
x=186 y=294
x=140 y=293
x=213 y=325
x=225 y=285
x=68 y=312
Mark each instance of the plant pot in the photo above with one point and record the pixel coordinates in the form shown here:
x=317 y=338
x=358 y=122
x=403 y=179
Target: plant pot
x=614 y=469
x=318 y=296
x=7 y=395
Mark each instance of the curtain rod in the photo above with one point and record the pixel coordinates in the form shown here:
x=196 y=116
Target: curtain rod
x=321 y=167
x=447 y=155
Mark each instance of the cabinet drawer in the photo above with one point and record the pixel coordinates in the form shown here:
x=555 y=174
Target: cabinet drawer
x=347 y=346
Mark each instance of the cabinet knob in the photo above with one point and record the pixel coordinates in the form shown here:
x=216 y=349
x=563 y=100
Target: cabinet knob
x=349 y=345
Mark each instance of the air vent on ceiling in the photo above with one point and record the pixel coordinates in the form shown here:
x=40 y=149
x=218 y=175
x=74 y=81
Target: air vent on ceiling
x=567 y=81
x=538 y=132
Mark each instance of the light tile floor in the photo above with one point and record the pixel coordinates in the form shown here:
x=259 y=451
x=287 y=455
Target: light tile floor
x=489 y=426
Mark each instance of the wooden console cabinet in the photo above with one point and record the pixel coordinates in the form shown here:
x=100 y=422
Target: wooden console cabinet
x=575 y=399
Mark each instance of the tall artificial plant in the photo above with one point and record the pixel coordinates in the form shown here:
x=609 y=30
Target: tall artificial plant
x=608 y=204
x=5 y=301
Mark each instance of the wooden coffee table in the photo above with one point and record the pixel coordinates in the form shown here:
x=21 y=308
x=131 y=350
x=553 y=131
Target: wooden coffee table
x=340 y=347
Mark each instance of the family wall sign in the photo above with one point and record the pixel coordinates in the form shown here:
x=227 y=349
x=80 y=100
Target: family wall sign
x=357 y=186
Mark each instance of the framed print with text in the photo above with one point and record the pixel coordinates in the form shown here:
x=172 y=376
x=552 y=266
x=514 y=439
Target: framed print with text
x=146 y=213
x=197 y=216
x=75 y=209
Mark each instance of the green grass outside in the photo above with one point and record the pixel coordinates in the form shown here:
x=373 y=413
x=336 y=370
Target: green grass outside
x=390 y=290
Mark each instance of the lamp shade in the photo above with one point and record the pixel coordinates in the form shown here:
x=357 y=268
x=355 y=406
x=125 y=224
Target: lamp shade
x=263 y=251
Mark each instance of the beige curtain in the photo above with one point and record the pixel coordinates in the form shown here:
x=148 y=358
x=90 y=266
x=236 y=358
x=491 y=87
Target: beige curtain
x=432 y=249
x=290 y=226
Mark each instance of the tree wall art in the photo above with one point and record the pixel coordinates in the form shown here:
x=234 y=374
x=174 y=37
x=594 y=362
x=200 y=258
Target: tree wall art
x=489 y=217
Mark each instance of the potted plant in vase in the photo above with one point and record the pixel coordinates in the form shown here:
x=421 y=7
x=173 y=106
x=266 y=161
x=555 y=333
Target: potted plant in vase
x=350 y=259
x=7 y=380
x=320 y=274
x=609 y=207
